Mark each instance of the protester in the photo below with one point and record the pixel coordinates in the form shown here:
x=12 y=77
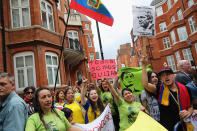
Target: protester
x=127 y=107
x=107 y=98
x=74 y=105
x=68 y=114
x=93 y=106
x=47 y=118
x=183 y=76
x=192 y=86
x=60 y=100
x=173 y=97
x=13 y=110
x=149 y=100
x=28 y=98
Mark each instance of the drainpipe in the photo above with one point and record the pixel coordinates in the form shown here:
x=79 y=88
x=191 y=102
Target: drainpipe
x=3 y=37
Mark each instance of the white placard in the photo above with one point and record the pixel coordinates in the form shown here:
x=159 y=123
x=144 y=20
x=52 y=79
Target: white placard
x=103 y=123
x=143 y=20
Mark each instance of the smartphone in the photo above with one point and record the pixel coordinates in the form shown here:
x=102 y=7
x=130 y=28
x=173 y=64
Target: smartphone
x=79 y=82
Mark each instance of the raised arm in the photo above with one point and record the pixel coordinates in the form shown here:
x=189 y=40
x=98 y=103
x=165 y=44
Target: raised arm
x=115 y=85
x=112 y=90
x=83 y=91
x=148 y=86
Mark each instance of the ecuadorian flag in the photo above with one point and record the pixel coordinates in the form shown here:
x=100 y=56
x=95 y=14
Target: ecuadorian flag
x=94 y=9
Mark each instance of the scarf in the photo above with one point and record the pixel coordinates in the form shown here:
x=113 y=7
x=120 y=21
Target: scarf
x=183 y=98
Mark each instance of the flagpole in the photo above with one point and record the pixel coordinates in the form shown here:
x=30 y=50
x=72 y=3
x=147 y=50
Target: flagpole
x=99 y=37
x=62 y=48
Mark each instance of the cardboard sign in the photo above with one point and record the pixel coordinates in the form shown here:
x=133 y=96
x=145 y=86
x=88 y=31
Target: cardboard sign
x=103 y=68
x=103 y=123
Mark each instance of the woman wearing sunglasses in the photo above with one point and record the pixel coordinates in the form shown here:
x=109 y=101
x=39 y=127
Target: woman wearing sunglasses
x=28 y=98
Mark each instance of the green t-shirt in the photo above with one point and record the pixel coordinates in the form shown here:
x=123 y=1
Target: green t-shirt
x=53 y=122
x=106 y=98
x=128 y=113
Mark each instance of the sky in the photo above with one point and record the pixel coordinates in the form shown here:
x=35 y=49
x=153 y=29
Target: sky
x=119 y=33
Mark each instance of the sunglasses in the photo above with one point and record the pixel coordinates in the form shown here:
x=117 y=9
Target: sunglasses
x=29 y=92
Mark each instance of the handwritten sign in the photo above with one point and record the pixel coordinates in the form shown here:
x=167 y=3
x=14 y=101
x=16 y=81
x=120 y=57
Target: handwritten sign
x=103 y=123
x=103 y=68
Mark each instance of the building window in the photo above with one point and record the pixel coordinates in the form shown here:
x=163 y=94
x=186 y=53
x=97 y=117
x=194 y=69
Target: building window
x=178 y=57
x=159 y=11
x=47 y=15
x=79 y=75
x=171 y=63
x=73 y=35
x=91 y=56
x=187 y=55
x=180 y=14
x=196 y=47
x=169 y=4
x=190 y=3
x=59 y=5
x=162 y=26
x=173 y=36
x=20 y=13
x=166 y=43
x=175 y=1
x=24 y=69
x=192 y=24
x=172 y=19
x=87 y=26
x=182 y=33
x=89 y=42
x=52 y=67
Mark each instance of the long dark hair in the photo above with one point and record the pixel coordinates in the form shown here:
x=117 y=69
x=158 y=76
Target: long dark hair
x=38 y=108
x=57 y=95
x=66 y=91
x=99 y=103
x=149 y=74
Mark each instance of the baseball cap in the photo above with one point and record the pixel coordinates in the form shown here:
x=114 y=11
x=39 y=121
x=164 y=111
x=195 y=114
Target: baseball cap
x=165 y=69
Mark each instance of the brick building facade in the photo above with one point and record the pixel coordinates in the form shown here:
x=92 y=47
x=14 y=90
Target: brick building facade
x=176 y=33
x=125 y=56
x=34 y=32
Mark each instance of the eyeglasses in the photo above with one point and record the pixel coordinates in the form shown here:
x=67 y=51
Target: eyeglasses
x=29 y=92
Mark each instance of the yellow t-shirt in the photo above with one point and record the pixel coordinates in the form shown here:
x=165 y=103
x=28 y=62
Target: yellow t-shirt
x=90 y=116
x=77 y=114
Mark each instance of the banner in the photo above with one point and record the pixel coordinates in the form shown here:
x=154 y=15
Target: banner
x=143 y=20
x=131 y=77
x=103 y=68
x=103 y=123
x=145 y=123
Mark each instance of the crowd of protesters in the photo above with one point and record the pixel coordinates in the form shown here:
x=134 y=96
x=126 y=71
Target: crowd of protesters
x=168 y=98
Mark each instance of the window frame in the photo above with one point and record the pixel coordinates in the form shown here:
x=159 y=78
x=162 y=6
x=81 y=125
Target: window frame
x=160 y=10
x=171 y=62
x=192 y=24
x=91 y=56
x=89 y=41
x=180 y=14
x=87 y=27
x=178 y=57
x=166 y=43
x=190 y=3
x=169 y=4
x=23 y=54
x=52 y=54
x=173 y=37
x=20 y=14
x=163 y=27
x=181 y=33
x=47 y=15
x=188 y=56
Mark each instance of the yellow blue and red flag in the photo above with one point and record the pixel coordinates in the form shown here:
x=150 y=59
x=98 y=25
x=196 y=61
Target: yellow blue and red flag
x=94 y=9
